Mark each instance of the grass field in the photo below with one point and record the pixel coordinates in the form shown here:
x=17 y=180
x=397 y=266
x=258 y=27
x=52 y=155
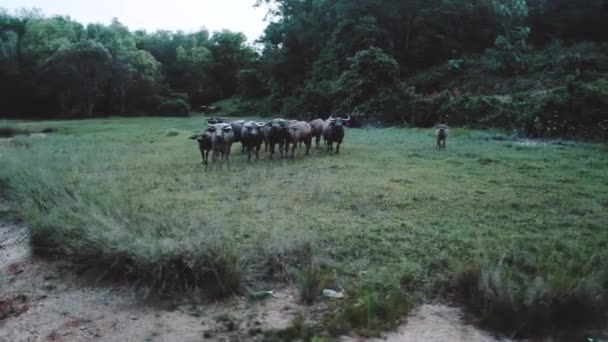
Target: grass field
x=517 y=231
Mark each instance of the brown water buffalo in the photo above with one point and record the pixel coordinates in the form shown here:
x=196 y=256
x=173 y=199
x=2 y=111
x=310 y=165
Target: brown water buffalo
x=298 y=133
x=317 y=130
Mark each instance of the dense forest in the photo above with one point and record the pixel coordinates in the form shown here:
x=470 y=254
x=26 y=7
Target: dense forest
x=537 y=66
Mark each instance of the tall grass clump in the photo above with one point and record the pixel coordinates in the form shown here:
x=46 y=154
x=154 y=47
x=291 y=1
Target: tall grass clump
x=9 y=131
x=97 y=226
x=540 y=303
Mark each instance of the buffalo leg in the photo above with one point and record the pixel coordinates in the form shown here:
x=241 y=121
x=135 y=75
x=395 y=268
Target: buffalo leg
x=318 y=140
x=204 y=155
x=338 y=147
x=308 y=146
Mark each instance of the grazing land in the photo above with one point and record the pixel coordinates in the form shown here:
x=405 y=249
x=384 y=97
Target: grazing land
x=514 y=230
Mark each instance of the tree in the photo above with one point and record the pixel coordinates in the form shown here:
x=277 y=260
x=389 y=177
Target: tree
x=370 y=86
x=511 y=45
x=230 y=55
x=78 y=74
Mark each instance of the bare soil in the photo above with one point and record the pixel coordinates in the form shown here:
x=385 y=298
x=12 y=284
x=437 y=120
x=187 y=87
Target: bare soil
x=42 y=300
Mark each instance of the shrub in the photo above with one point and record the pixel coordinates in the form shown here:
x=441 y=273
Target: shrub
x=174 y=108
x=9 y=131
x=312 y=280
x=370 y=311
x=102 y=230
x=526 y=305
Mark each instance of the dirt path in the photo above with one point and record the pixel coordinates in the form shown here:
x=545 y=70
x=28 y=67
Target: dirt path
x=41 y=300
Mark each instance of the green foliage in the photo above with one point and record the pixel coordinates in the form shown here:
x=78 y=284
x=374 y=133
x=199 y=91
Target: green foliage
x=78 y=73
x=370 y=86
x=508 y=54
x=250 y=84
x=176 y=107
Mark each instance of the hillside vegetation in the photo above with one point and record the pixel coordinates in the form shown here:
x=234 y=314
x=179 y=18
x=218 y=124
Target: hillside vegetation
x=534 y=66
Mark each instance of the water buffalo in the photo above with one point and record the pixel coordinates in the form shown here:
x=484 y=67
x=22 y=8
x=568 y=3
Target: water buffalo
x=317 y=130
x=204 y=144
x=333 y=131
x=237 y=127
x=215 y=120
x=252 y=137
x=209 y=109
x=276 y=133
x=441 y=134
x=298 y=132
x=221 y=140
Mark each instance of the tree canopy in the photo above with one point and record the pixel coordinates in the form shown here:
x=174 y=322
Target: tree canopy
x=378 y=58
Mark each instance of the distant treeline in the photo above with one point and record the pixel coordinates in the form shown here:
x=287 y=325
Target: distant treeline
x=376 y=59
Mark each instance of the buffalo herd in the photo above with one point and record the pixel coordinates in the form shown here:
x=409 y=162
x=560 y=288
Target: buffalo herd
x=284 y=134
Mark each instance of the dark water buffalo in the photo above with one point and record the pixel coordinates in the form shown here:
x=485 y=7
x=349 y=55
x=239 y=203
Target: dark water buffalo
x=237 y=127
x=333 y=131
x=276 y=134
x=252 y=137
x=205 y=144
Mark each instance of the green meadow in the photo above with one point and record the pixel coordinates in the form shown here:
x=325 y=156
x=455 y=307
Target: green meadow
x=516 y=231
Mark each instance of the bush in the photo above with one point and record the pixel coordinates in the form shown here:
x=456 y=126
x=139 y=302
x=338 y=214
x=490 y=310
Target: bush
x=174 y=108
x=524 y=305
x=8 y=131
x=370 y=311
x=578 y=110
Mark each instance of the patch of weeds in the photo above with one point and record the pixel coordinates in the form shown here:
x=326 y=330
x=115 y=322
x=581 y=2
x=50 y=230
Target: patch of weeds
x=21 y=142
x=401 y=181
x=523 y=305
x=486 y=161
x=369 y=312
x=469 y=155
x=172 y=133
x=298 y=330
x=312 y=280
x=230 y=323
x=11 y=131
